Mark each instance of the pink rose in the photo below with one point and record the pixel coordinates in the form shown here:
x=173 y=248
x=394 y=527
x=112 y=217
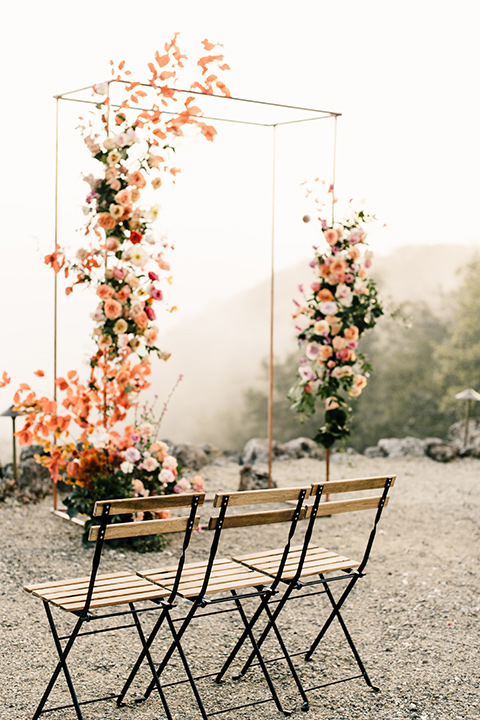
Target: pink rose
x=156 y=294
x=153 y=276
x=343 y=354
x=112 y=244
x=119 y=273
x=150 y=312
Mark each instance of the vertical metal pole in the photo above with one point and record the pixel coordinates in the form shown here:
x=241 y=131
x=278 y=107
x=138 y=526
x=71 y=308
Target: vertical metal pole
x=334 y=166
x=272 y=309
x=14 y=454
x=467 y=419
x=55 y=290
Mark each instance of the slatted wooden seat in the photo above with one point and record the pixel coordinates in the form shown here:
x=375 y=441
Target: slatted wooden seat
x=110 y=589
x=226 y=575
x=223 y=580
x=86 y=598
x=310 y=565
x=317 y=560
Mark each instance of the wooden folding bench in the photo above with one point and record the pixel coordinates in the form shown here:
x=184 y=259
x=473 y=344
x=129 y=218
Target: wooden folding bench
x=224 y=581
x=313 y=565
x=87 y=598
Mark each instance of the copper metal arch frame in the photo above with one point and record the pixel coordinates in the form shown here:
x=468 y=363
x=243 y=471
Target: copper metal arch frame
x=303 y=115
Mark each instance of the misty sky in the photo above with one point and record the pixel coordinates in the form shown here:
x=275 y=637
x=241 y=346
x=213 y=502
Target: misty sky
x=404 y=76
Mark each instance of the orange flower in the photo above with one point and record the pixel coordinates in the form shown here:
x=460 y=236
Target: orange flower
x=140 y=319
x=325 y=295
x=136 y=178
x=112 y=309
x=106 y=221
x=351 y=333
x=105 y=292
x=122 y=377
x=331 y=236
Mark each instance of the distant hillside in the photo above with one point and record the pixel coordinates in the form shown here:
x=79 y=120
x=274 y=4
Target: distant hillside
x=220 y=351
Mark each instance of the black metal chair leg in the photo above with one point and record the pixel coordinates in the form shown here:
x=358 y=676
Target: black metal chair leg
x=141 y=658
x=63 y=654
x=331 y=617
x=256 y=653
x=187 y=668
x=349 y=640
x=150 y=661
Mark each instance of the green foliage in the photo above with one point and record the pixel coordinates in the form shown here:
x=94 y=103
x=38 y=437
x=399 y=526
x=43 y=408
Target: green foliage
x=402 y=397
x=457 y=357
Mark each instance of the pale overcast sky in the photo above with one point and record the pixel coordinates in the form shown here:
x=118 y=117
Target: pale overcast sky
x=403 y=75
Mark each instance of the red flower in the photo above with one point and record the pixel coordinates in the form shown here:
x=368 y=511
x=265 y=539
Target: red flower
x=135 y=237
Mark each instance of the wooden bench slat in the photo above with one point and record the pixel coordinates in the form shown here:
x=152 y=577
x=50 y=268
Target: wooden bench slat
x=153 y=503
x=256 y=518
x=341 y=506
x=353 y=485
x=250 y=497
x=145 y=527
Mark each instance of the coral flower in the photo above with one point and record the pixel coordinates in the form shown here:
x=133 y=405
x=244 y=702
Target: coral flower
x=137 y=179
x=141 y=319
x=331 y=236
x=112 y=309
x=105 y=292
x=106 y=221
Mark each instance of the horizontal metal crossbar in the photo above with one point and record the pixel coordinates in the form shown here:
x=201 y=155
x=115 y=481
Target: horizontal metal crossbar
x=82 y=702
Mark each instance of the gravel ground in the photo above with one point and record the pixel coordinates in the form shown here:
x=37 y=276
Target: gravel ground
x=414 y=617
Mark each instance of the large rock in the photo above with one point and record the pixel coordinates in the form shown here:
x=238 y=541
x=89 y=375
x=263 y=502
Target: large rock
x=400 y=447
x=33 y=481
x=302 y=447
x=190 y=456
x=255 y=451
x=456 y=436
x=253 y=479
x=439 y=450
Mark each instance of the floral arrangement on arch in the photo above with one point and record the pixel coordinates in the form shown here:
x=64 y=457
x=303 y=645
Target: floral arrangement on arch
x=340 y=305
x=121 y=259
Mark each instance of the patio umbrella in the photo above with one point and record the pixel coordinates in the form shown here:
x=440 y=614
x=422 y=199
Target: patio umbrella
x=470 y=395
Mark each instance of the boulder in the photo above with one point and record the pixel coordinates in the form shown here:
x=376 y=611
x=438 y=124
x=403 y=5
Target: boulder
x=374 y=452
x=302 y=447
x=456 y=436
x=253 y=479
x=440 y=451
x=212 y=452
x=33 y=481
x=190 y=456
x=256 y=451
x=401 y=447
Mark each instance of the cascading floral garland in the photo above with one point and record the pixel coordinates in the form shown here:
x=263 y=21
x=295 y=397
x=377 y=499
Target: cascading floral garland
x=341 y=305
x=124 y=264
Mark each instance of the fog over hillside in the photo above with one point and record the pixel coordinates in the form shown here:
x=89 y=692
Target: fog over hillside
x=220 y=351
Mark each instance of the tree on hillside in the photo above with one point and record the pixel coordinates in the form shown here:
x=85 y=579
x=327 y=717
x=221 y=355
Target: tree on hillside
x=403 y=396
x=457 y=358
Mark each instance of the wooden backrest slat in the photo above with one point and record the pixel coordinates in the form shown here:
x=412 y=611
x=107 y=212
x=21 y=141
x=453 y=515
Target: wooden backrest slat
x=154 y=503
x=251 y=497
x=144 y=527
x=256 y=518
x=342 y=486
x=340 y=506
